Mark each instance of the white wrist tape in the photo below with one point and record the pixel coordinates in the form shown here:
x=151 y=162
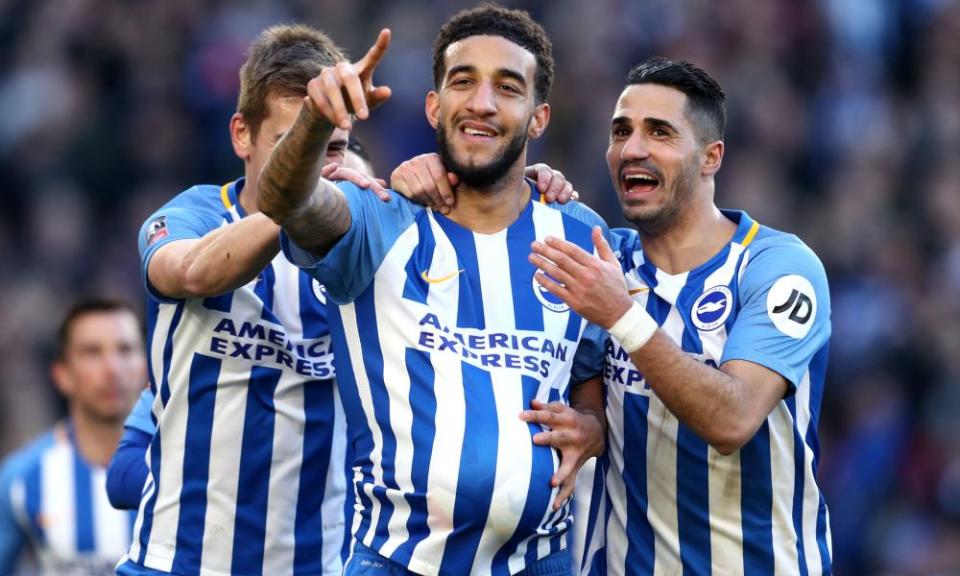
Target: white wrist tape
x=634 y=329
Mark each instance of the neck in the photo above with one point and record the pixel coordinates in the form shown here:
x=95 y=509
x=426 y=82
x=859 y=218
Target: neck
x=492 y=209
x=699 y=233
x=96 y=438
x=248 y=197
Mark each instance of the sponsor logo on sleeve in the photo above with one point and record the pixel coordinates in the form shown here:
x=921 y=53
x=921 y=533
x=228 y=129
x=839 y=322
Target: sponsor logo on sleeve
x=157 y=230
x=712 y=308
x=792 y=305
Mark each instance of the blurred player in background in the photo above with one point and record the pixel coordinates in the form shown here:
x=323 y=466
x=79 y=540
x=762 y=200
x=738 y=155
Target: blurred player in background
x=714 y=372
x=52 y=496
x=442 y=334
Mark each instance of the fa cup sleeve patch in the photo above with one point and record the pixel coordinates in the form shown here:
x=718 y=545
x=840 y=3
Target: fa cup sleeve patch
x=157 y=230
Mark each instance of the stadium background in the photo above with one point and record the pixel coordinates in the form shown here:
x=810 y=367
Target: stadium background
x=844 y=127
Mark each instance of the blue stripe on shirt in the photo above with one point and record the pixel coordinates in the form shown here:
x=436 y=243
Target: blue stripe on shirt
x=415 y=287
x=359 y=435
x=799 y=450
x=538 y=495
x=756 y=481
x=639 y=559
x=253 y=484
x=527 y=310
x=373 y=362
x=423 y=403
x=478 y=470
x=318 y=407
x=168 y=353
x=83 y=499
x=204 y=373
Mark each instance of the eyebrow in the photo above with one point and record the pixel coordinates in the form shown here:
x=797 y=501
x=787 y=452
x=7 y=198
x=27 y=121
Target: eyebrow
x=470 y=69
x=649 y=121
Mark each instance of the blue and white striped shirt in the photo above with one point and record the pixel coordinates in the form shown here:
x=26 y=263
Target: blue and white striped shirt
x=248 y=464
x=56 y=502
x=673 y=503
x=442 y=338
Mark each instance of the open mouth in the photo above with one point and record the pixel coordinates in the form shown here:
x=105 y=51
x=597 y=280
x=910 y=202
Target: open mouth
x=639 y=182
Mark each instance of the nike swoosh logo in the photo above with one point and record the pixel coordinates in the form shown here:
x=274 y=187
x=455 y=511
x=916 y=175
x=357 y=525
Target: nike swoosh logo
x=633 y=291
x=449 y=276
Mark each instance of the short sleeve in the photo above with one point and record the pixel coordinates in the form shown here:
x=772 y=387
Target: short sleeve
x=588 y=360
x=348 y=268
x=141 y=417
x=784 y=315
x=179 y=219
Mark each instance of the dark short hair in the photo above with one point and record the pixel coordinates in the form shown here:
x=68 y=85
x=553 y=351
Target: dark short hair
x=705 y=98
x=280 y=63
x=493 y=20
x=93 y=305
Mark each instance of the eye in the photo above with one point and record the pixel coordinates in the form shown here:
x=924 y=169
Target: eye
x=620 y=132
x=510 y=88
x=460 y=82
x=659 y=132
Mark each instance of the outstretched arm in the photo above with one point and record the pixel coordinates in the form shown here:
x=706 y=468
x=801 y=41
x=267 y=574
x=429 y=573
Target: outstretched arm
x=316 y=215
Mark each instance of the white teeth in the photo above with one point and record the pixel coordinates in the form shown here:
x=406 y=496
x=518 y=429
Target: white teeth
x=475 y=132
x=641 y=177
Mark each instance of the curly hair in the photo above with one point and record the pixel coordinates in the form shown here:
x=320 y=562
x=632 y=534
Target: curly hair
x=493 y=20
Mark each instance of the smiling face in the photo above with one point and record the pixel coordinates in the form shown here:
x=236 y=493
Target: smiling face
x=656 y=161
x=485 y=109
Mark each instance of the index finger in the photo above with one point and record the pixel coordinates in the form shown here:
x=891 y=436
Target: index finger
x=375 y=54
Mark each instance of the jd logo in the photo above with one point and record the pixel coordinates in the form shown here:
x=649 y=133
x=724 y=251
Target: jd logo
x=799 y=305
x=792 y=305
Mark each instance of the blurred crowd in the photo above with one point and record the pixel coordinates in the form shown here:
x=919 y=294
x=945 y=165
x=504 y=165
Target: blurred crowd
x=844 y=127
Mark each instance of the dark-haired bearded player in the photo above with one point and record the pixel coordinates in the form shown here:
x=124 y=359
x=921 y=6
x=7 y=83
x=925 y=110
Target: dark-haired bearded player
x=442 y=335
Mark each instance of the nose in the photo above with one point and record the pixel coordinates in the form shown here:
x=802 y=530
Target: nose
x=635 y=148
x=482 y=101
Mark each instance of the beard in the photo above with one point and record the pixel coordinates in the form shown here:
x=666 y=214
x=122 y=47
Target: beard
x=481 y=176
x=658 y=220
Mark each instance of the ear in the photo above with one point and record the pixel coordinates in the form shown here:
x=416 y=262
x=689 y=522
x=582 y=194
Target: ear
x=61 y=378
x=241 y=137
x=713 y=157
x=539 y=120
x=432 y=108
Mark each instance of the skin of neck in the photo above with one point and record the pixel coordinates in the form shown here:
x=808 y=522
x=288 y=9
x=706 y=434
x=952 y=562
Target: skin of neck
x=248 y=197
x=96 y=438
x=493 y=209
x=699 y=232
